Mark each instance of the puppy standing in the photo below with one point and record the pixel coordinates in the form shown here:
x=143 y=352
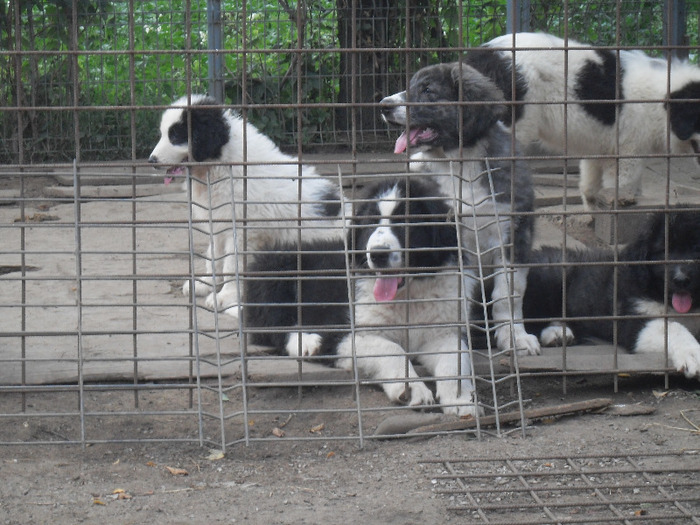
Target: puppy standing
x=252 y=174
x=452 y=114
x=576 y=103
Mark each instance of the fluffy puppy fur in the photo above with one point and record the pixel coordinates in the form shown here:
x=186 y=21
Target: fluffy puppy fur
x=451 y=115
x=664 y=117
x=239 y=176
x=649 y=290
x=408 y=298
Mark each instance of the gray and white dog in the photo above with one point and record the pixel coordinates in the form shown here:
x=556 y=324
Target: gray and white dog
x=451 y=118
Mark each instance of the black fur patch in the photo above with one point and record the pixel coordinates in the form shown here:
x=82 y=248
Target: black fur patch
x=685 y=114
x=329 y=204
x=499 y=68
x=420 y=218
x=210 y=131
x=291 y=287
x=598 y=82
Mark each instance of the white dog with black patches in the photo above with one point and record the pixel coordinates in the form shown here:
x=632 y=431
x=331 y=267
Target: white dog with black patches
x=409 y=298
x=451 y=114
x=244 y=179
x=581 y=101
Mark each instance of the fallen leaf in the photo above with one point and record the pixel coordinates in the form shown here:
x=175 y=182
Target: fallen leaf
x=658 y=394
x=150 y=464
x=177 y=471
x=278 y=432
x=116 y=462
x=98 y=502
x=118 y=491
x=330 y=455
x=622 y=374
x=215 y=454
x=125 y=495
x=317 y=428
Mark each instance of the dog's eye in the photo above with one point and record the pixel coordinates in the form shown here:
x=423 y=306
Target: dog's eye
x=427 y=90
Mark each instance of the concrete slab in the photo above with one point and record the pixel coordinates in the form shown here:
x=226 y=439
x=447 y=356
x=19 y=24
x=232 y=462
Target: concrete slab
x=103 y=302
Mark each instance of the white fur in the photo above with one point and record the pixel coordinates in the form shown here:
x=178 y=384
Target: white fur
x=485 y=223
x=303 y=344
x=271 y=201
x=677 y=333
x=550 y=72
x=555 y=335
x=383 y=352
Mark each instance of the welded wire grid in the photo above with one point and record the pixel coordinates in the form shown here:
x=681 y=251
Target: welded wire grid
x=99 y=342
x=660 y=488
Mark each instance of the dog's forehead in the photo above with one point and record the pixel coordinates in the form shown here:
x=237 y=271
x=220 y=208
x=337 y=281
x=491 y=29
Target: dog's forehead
x=171 y=116
x=437 y=75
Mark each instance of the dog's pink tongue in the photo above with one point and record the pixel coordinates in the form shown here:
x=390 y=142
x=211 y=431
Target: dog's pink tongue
x=403 y=140
x=167 y=180
x=385 y=288
x=682 y=302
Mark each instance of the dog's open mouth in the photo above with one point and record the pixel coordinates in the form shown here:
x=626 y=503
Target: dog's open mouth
x=386 y=287
x=414 y=136
x=682 y=302
x=172 y=172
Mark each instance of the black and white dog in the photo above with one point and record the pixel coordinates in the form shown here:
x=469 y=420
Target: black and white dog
x=409 y=297
x=649 y=291
x=617 y=103
x=451 y=114
x=243 y=179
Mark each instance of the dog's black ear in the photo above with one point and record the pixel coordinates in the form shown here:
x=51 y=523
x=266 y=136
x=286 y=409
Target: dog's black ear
x=472 y=86
x=210 y=132
x=685 y=116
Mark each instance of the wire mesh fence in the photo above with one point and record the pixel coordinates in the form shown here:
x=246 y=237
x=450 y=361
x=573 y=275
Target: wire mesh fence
x=100 y=343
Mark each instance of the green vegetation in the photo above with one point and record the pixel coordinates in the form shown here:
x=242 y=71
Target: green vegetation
x=93 y=96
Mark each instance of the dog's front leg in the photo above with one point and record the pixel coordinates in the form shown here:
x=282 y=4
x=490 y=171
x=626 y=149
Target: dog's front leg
x=504 y=317
x=683 y=347
x=203 y=284
x=226 y=299
x=449 y=361
x=381 y=359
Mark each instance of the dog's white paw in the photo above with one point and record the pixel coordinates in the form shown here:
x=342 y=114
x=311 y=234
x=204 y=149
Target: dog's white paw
x=222 y=303
x=413 y=394
x=686 y=359
x=462 y=405
x=525 y=344
x=555 y=335
x=309 y=345
x=201 y=288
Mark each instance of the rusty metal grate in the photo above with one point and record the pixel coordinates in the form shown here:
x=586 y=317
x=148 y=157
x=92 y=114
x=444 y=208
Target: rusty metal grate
x=661 y=488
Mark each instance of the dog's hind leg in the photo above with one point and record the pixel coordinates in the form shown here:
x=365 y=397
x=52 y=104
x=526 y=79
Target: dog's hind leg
x=504 y=317
x=385 y=361
x=590 y=181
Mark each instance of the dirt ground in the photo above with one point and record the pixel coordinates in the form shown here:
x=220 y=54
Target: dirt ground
x=320 y=481
x=295 y=479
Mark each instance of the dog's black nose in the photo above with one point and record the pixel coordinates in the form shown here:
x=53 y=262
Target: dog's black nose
x=680 y=278
x=153 y=159
x=379 y=256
